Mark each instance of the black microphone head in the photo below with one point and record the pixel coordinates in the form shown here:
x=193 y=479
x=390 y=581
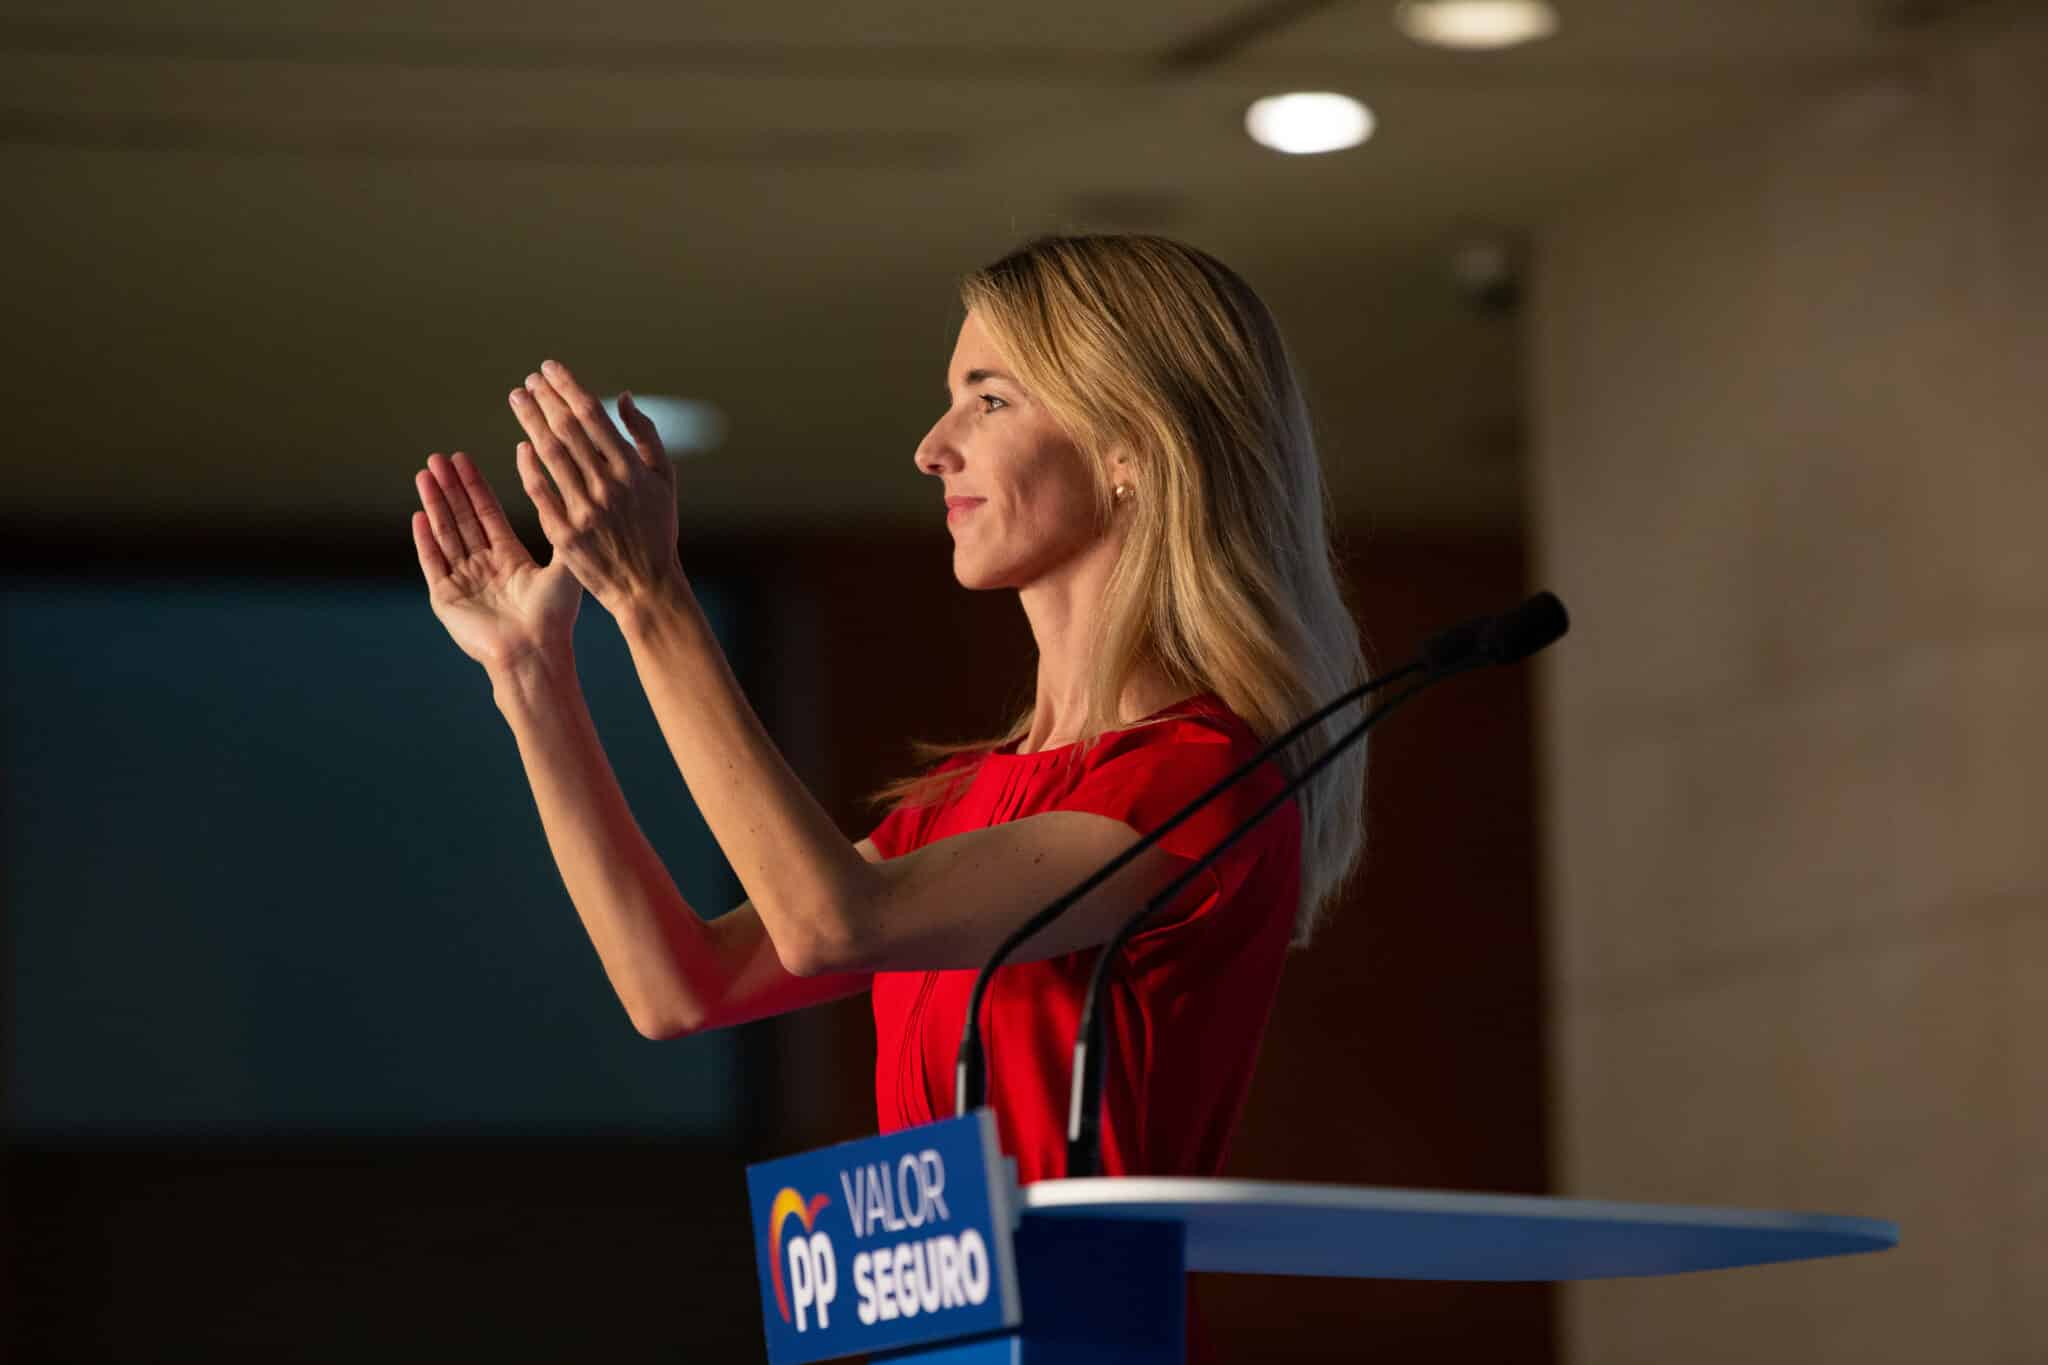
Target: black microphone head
x=1515 y=635
x=1462 y=646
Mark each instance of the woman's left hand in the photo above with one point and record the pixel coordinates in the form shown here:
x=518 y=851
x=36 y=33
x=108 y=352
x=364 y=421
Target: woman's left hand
x=607 y=506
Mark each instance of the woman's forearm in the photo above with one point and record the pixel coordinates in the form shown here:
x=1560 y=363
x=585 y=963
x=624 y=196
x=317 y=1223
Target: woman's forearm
x=661 y=957
x=797 y=867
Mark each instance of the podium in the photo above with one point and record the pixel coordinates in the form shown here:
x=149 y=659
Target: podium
x=1088 y=1272
x=1103 y=1262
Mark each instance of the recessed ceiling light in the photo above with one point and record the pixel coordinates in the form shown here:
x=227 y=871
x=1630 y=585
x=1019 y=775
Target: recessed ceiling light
x=686 y=426
x=1475 y=24
x=1308 y=121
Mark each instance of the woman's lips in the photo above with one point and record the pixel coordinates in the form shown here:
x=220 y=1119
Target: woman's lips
x=958 y=507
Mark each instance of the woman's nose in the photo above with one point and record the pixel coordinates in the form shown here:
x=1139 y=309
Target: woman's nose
x=935 y=453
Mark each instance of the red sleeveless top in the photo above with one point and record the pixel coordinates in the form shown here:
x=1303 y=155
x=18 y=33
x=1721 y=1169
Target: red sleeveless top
x=1187 y=1004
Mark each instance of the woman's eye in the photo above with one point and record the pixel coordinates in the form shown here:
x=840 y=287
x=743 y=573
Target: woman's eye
x=990 y=398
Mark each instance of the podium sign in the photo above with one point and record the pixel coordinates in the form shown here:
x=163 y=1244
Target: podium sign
x=887 y=1242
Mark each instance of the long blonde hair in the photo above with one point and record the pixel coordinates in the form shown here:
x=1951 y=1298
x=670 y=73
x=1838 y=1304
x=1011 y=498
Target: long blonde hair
x=1227 y=581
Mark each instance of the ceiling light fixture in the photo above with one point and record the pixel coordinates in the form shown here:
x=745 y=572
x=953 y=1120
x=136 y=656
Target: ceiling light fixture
x=1475 y=25
x=686 y=426
x=1308 y=121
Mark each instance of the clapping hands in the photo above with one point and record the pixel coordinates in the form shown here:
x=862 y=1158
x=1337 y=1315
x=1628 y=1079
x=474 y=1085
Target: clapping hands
x=607 y=507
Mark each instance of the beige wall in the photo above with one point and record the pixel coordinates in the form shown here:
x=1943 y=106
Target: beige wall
x=1791 y=477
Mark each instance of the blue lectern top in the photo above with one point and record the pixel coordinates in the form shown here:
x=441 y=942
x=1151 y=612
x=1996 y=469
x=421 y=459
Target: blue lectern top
x=1271 y=1228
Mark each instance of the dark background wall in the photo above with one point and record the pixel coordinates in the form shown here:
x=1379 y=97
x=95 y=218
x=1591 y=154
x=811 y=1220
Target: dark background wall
x=274 y=868
x=1406 y=1048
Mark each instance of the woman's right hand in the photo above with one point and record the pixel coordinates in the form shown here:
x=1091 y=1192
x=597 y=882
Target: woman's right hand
x=498 y=604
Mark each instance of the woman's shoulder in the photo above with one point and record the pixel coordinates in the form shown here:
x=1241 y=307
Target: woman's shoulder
x=1174 y=757
x=1203 y=719
x=1198 y=732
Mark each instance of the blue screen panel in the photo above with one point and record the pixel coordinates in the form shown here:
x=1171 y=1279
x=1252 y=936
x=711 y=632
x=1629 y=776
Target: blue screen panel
x=271 y=864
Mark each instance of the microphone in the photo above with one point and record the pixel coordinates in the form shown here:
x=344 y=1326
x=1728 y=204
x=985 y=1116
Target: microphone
x=1470 y=645
x=1504 y=639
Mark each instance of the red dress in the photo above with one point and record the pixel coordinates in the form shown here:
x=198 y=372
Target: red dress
x=1188 y=1003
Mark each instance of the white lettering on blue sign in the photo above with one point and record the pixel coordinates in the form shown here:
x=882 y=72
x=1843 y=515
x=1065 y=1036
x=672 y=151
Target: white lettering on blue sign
x=914 y=1228
x=813 y=1277
x=926 y=1276
x=880 y=1199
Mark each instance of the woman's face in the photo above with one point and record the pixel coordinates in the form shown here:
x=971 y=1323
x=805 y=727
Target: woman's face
x=1036 y=507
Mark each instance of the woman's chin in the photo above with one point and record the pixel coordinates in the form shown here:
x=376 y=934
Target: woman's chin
x=969 y=573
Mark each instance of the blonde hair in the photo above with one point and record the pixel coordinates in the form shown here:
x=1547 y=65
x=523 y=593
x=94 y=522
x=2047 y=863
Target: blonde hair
x=1227 y=581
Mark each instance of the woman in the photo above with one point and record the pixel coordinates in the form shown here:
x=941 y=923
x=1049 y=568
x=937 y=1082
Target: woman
x=1125 y=446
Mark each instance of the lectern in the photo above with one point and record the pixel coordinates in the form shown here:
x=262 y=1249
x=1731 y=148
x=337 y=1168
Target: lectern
x=918 y=1246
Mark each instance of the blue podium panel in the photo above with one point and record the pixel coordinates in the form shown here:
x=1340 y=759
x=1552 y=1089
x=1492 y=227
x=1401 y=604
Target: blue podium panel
x=1108 y=1291
x=1103 y=1292
x=1272 y=1228
x=1002 y=1350
x=885 y=1242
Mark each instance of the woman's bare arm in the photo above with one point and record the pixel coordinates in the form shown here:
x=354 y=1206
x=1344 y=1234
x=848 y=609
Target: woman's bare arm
x=609 y=511
x=759 y=985
x=675 y=972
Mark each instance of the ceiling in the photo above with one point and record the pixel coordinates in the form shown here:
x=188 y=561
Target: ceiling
x=264 y=257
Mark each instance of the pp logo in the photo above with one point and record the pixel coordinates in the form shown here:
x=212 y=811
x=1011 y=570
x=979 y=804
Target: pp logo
x=813 y=1273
